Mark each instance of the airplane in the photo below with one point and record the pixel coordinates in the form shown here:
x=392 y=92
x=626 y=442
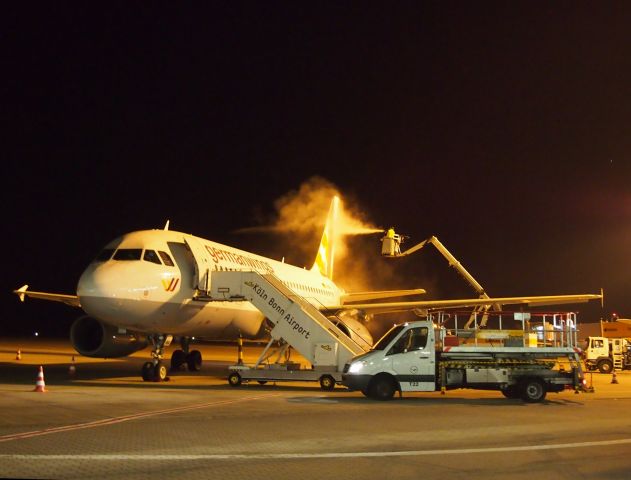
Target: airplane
x=147 y=287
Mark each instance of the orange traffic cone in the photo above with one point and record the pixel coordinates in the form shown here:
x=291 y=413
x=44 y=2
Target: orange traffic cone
x=40 y=385
x=72 y=369
x=18 y=354
x=614 y=379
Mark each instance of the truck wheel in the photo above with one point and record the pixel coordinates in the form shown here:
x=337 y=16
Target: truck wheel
x=234 y=379
x=382 y=388
x=511 y=391
x=327 y=382
x=533 y=390
x=605 y=366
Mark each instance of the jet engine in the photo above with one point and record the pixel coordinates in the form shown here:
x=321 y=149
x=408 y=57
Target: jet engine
x=93 y=338
x=351 y=323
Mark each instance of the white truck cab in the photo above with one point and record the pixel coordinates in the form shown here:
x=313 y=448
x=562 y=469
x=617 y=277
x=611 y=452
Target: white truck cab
x=405 y=353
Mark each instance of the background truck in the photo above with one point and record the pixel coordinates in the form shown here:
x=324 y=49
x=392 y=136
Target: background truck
x=607 y=354
x=425 y=356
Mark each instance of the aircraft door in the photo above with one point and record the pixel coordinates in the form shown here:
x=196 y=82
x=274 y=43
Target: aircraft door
x=413 y=360
x=203 y=264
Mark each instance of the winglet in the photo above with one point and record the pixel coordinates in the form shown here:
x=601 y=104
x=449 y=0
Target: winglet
x=602 y=297
x=166 y=225
x=21 y=292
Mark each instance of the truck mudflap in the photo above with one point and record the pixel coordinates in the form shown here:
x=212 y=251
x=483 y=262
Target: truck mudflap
x=580 y=382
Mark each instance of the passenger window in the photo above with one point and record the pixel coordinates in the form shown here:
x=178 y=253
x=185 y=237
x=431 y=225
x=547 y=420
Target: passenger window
x=128 y=254
x=104 y=255
x=166 y=258
x=152 y=256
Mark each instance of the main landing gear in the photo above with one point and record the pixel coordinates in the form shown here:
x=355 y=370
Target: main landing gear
x=192 y=359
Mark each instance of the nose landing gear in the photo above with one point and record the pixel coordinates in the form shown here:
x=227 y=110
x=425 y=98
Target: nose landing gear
x=155 y=371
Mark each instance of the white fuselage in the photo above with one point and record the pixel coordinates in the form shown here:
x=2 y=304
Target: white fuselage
x=140 y=291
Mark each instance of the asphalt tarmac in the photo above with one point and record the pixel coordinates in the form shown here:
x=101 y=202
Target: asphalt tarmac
x=105 y=422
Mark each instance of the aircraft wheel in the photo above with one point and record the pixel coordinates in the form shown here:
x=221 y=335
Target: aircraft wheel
x=147 y=371
x=194 y=361
x=159 y=373
x=533 y=390
x=327 y=382
x=178 y=358
x=234 y=379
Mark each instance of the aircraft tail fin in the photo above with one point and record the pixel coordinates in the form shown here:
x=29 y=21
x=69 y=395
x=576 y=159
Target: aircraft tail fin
x=326 y=251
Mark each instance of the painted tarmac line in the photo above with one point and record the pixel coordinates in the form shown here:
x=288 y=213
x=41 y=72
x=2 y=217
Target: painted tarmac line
x=126 y=418
x=307 y=456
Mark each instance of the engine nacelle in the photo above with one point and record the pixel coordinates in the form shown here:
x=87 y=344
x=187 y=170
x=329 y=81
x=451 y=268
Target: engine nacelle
x=93 y=338
x=350 y=322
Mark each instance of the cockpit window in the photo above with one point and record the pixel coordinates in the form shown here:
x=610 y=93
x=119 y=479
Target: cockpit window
x=166 y=258
x=152 y=256
x=128 y=254
x=104 y=255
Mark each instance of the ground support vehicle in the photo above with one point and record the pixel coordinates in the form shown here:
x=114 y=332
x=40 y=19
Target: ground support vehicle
x=422 y=356
x=607 y=354
x=295 y=323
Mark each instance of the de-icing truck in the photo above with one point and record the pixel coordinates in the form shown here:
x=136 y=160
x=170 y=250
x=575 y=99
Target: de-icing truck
x=425 y=356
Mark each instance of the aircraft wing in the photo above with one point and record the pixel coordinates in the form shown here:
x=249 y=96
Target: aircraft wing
x=467 y=302
x=71 y=300
x=363 y=296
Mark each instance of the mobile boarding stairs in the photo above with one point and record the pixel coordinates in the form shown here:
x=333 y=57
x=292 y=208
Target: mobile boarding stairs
x=297 y=323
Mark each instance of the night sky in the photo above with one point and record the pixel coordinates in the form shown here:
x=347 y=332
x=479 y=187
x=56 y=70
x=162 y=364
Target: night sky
x=502 y=128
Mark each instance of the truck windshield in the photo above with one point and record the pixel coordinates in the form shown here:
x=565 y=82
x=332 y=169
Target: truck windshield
x=387 y=338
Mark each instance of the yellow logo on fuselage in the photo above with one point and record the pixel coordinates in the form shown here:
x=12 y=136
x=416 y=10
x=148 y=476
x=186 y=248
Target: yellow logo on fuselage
x=170 y=284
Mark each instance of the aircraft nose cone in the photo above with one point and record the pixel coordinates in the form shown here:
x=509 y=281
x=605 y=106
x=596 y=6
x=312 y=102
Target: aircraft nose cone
x=100 y=290
x=92 y=282
x=108 y=280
